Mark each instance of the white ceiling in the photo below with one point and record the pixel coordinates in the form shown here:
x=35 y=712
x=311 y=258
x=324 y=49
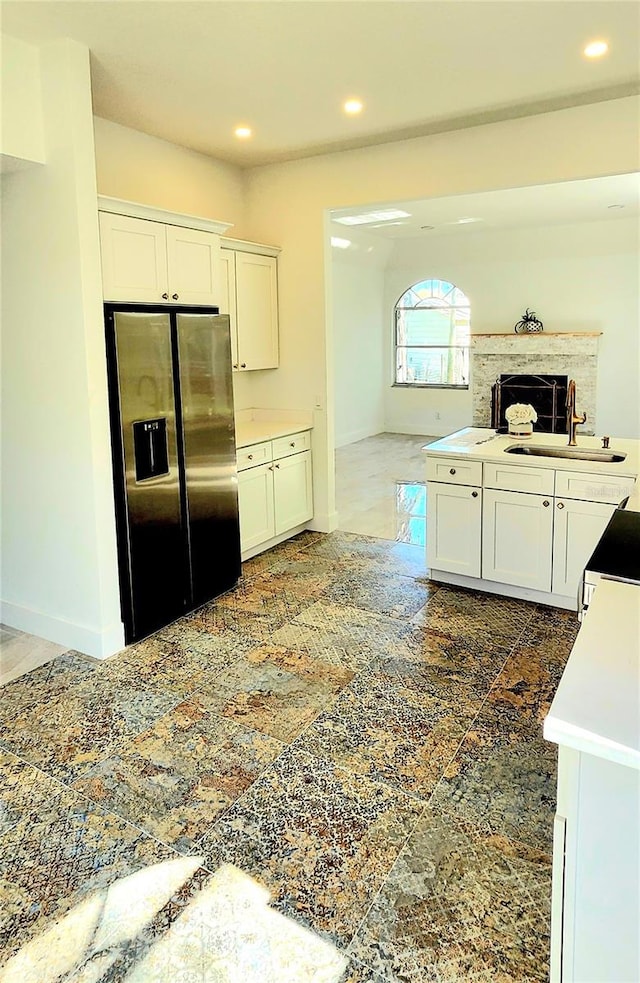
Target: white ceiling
x=541 y=205
x=190 y=72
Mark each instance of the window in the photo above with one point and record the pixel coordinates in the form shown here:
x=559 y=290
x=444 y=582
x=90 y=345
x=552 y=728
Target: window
x=432 y=325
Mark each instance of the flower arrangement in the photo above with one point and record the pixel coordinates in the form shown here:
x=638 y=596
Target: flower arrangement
x=521 y=417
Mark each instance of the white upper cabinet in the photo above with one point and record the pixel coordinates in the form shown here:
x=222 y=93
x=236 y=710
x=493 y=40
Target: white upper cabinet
x=154 y=257
x=193 y=266
x=250 y=297
x=134 y=259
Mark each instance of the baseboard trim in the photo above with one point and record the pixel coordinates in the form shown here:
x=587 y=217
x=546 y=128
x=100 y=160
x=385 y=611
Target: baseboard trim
x=355 y=435
x=506 y=590
x=98 y=644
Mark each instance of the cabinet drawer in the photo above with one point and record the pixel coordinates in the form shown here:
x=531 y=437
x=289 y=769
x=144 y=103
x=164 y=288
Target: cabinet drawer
x=292 y=444
x=254 y=454
x=512 y=477
x=593 y=487
x=454 y=472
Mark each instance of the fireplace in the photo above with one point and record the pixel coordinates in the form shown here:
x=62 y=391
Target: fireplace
x=546 y=393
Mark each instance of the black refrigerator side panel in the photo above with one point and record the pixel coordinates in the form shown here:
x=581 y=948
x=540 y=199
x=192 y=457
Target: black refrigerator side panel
x=208 y=439
x=151 y=536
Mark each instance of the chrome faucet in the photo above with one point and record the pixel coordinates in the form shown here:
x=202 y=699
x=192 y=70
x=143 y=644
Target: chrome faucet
x=573 y=419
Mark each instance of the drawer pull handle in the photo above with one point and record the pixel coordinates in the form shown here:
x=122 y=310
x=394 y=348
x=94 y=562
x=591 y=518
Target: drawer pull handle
x=452 y=470
x=250 y=457
x=560 y=505
x=546 y=503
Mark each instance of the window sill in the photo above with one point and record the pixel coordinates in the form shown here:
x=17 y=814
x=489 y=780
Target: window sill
x=425 y=385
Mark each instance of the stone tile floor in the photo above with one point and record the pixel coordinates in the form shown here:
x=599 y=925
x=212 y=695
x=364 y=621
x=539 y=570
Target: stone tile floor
x=333 y=774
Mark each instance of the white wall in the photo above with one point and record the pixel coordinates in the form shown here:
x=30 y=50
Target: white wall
x=21 y=127
x=145 y=169
x=59 y=565
x=580 y=277
x=287 y=203
x=357 y=313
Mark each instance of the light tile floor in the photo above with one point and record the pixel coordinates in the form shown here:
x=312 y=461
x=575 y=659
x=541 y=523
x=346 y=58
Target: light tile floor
x=380 y=487
x=335 y=773
x=21 y=652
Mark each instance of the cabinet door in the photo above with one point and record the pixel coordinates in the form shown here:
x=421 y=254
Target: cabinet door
x=255 y=505
x=257 y=311
x=576 y=530
x=193 y=264
x=517 y=539
x=228 y=298
x=134 y=259
x=454 y=514
x=293 y=491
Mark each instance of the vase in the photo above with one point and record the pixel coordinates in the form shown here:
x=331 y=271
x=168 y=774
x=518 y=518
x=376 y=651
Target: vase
x=520 y=429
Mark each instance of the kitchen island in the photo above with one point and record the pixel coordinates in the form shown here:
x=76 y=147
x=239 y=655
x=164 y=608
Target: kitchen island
x=502 y=520
x=595 y=720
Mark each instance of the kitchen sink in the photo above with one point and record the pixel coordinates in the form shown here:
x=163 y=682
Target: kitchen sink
x=573 y=453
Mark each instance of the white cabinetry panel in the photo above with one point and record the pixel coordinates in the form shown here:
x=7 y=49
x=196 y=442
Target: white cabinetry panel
x=154 y=263
x=593 y=487
x=576 y=530
x=514 y=477
x=256 y=506
x=454 y=472
x=192 y=261
x=517 y=537
x=454 y=521
x=293 y=491
x=134 y=259
x=251 y=292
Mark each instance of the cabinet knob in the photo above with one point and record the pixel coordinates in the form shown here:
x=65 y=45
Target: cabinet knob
x=243 y=365
x=165 y=296
x=474 y=494
x=546 y=503
x=292 y=444
x=250 y=457
x=235 y=365
x=174 y=296
x=560 y=505
x=605 y=441
x=452 y=470
x=278 y=466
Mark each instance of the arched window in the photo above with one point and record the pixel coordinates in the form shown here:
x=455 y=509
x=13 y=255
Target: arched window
x=432 y=325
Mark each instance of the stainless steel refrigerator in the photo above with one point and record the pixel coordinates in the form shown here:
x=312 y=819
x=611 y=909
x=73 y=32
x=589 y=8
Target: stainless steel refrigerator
x=173 y=441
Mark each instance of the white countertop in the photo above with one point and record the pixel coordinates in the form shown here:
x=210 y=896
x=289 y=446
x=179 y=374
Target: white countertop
x=597 y=706
x=256 y=430
x=482 y=444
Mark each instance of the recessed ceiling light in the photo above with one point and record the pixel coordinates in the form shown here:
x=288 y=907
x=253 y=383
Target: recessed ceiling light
x=427 y=228
x=242 y=132
x=366 y=217
x=596 y=49
x=340 y=243
x=466 y=221
x=353 y=106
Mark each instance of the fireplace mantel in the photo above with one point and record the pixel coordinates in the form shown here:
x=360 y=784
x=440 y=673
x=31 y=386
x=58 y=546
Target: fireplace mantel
x=572 y=353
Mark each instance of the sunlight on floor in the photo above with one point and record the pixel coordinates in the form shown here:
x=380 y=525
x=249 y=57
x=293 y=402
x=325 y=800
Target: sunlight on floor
x=226 y=931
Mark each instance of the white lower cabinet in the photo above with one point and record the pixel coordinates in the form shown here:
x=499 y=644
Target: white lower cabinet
x=517 y=539
x=292 y=491
x=577 y=527
x=256 y=506
x=277 y=495
x=596 y=856
x=454 y=523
